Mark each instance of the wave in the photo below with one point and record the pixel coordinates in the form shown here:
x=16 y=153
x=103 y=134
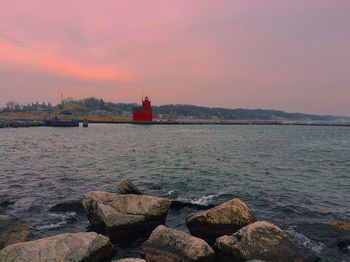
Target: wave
x=51 y=226
x=173 y=193
x=205 y=200
x=202 y=201
x=61 y=221
x=302 y=240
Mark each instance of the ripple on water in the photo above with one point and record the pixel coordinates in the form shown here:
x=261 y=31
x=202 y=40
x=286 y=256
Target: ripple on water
x=286 y=174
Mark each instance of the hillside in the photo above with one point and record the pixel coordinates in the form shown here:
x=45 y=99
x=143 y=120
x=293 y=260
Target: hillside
x=241 y=114
x=199 y=112
x=102 y=109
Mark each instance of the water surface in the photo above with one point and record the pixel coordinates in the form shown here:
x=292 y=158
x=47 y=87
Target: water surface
x=295 y=176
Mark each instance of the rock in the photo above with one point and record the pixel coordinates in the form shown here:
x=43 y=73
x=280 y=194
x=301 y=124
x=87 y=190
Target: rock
x=224 y=219
x=176 y=204
x=122 y=214
x=68 y=206
x=342 y=224
x=130 y=260
x=127 y=187
x=65 y=247
x=171 y=245
x=12 y=230
x=344 y=244
x=260 y=240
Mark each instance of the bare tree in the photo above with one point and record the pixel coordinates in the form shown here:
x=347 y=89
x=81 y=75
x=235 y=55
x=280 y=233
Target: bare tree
x=10 y=105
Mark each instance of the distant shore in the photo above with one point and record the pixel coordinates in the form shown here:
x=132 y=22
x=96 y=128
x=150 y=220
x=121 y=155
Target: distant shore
x=236 y=122
x=33 y=123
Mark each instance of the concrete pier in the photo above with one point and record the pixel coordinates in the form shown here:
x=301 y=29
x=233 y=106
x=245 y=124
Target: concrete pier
x=228 y=122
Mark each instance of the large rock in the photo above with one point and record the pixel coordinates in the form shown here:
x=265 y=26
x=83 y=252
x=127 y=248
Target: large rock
x=65 y=247
x=127 y=187
x=224 y=219
x=130 y=260
x=125 y=214
x=342 y=224
x=170 y=245
x=260 y=240
x=75 y=205
x=12 y=230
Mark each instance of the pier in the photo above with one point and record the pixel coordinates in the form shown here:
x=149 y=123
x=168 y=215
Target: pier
x=233 y=122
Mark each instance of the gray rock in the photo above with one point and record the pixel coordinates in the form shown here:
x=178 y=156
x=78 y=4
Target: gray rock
x=127 y=187
x=171 y=245
x=125 y=214
x=130 y=260
x=69 y=205
x=12 y=230
x=224 y=219
x=260 y=240
x=65 y=247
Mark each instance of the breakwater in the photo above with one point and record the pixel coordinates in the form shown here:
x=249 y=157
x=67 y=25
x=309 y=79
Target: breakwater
x=235 y=122
x=18 y=124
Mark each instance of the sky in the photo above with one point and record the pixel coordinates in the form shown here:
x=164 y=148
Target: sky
x=292 y=55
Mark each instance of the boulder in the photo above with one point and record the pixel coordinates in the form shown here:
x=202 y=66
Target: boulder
x=125 y=214
x=342 y=224
x=127 y=187
x=177 y=204
x=12 y=230
x=65 y=247
x=260 y=240
x=130 y=260
x=75 y=205
x=170 y=245
x=224 y=219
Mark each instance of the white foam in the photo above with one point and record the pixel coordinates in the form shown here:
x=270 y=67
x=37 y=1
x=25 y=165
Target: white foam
x=172 y=193
x=51 y=226
x=65 y=217
x=304 y=241
x=204 y=200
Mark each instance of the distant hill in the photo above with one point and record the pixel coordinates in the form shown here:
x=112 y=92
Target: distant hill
x=199 y=112
x=241 y=114
x=100 y=107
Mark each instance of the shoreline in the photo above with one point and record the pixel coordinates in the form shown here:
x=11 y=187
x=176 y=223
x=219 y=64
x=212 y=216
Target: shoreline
x=34 y=123
x=209 y=233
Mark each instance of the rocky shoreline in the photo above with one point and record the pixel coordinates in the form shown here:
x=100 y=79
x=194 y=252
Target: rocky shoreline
x=227 y=232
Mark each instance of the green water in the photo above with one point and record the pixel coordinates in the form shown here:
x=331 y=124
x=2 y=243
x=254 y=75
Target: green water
x=290 y=175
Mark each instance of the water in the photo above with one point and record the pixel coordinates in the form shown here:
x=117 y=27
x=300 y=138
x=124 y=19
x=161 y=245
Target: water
x=295 y=176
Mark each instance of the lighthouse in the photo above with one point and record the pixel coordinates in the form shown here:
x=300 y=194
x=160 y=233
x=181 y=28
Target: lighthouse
x=143 y=113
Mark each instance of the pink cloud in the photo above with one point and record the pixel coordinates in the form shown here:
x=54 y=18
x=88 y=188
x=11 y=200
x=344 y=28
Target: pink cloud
x=290 y=55
x=58 y=65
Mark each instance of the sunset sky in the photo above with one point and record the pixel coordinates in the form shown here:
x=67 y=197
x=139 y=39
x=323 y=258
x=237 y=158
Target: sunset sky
x=289 y=55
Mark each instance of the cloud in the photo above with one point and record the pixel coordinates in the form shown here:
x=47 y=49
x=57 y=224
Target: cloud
x=23 y=56
x=290 y=55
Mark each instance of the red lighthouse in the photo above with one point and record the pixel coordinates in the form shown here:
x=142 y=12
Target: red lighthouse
x=143 y=113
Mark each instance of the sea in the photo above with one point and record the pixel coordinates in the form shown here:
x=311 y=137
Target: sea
x=297 y=177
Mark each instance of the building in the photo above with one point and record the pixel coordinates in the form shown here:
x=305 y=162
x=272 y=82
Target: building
x=143 y=113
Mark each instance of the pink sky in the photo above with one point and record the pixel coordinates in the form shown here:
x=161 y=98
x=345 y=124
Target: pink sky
x=289 y=55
